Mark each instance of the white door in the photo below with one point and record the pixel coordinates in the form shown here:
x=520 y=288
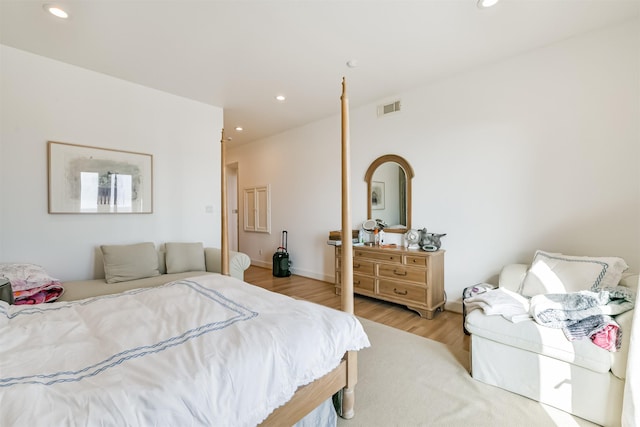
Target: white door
x=232 y=205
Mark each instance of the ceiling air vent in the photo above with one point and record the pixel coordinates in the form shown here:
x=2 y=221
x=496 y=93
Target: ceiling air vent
x=388 y=108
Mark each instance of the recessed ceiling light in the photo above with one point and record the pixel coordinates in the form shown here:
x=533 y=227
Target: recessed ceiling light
x=483 y=4
x=56 y=11
x=239 y=128
x=280 y=97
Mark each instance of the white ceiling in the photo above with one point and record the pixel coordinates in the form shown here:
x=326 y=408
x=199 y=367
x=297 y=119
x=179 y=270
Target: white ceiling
x=238 y=54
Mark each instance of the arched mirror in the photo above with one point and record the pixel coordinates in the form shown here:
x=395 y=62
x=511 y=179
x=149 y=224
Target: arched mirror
x=389 y=192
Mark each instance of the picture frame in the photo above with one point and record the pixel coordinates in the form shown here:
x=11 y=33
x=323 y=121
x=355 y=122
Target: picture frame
x=90 y=180
x=377 y=195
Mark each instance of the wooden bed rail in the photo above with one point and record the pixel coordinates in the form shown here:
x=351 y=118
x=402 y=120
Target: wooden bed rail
x=308 y=396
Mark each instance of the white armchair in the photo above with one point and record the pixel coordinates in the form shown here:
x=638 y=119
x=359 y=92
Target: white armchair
x=541 y=363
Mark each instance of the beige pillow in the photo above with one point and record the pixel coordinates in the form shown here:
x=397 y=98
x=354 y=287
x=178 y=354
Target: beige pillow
x=181 y=257
x=553 y=273
x=129 y=262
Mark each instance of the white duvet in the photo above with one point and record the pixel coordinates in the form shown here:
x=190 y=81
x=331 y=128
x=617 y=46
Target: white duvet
x=211 y=350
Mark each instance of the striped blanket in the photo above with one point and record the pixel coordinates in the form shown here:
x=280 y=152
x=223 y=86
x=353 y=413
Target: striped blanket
x=585 y=314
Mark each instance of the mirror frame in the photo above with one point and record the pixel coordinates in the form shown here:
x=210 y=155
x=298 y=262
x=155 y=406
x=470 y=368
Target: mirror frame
x=408 y=170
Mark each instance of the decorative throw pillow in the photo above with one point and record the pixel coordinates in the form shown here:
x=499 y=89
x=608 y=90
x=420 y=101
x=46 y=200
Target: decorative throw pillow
x=552 y=273
x=181 y=257
x=129 y=262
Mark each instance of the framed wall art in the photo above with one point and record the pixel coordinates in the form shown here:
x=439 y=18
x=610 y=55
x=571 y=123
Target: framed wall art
x=84 y=179
x=377 y=195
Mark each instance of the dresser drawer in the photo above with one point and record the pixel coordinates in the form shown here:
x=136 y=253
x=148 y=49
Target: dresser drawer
x=359 y=282
x=402 y=291
x=415 y=260
x=363 y=282
x=381 y=256
x=401 y=272
x=364 y=267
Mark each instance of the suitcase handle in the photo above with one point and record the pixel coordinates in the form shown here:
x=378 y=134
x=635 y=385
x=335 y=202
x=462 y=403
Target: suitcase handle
x=284 y=240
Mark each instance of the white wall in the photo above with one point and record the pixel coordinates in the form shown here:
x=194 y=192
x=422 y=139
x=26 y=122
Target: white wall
x=44 y=100
x=539 y=151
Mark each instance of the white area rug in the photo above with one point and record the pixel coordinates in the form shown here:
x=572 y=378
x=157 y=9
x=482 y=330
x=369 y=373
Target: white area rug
x=406 y=380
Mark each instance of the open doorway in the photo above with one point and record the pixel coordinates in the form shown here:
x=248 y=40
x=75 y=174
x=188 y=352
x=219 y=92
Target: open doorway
x=231 y=171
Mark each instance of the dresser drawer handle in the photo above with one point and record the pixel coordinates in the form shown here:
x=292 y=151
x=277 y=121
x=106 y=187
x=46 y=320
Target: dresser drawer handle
x=404 y=273
x=356 y=265
x=395 y=290
x=356 y=282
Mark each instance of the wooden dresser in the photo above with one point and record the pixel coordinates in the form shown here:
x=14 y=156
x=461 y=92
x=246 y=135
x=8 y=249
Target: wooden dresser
x=411 y=277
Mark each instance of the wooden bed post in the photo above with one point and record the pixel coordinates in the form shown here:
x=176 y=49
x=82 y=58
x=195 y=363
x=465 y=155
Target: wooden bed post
x=224 y=242
x=347 y=245
x=348 y=395
x=345 y=376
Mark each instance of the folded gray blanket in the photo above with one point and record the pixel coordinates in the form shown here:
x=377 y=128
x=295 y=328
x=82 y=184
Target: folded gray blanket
x=585 y=313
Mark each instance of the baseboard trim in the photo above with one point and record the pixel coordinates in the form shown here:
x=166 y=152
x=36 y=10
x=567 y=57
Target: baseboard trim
x=262 y=264
x=455 y=306
x=296 y=271
x=311 y=275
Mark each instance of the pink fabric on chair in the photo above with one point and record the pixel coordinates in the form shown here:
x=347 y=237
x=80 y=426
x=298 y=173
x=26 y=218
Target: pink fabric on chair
x=608 y=337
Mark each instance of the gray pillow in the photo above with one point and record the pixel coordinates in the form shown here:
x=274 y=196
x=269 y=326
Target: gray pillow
x=181 y=257
x=129 y=262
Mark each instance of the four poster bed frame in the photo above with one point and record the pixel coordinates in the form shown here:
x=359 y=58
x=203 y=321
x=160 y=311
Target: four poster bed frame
x=163 y=351
x=344 y=377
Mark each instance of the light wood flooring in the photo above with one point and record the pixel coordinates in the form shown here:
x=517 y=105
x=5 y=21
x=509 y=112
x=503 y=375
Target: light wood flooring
x=445 y=327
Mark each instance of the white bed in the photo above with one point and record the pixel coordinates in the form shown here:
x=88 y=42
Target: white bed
x=211 y=350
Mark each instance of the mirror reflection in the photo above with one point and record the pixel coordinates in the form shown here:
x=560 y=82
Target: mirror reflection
x=389 y=188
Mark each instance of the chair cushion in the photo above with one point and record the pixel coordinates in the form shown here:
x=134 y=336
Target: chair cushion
x=530 y=336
